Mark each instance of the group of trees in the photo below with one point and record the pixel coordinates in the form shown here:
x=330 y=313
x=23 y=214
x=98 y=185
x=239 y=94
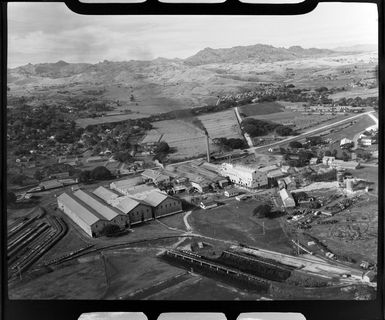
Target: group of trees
x=255 y=128
x=98 y=173
x=232 y=143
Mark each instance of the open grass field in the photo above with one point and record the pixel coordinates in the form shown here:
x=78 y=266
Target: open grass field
x=74 y=281
x=184 y=137
x=222 y=124
x=261 y=108
x=234 y=222
x=189 y=140
x=130 y=270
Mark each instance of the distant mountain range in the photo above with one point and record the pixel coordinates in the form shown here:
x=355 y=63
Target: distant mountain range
x=259 y=52
x=358 y=48
x=255 y=53
x=193 y=81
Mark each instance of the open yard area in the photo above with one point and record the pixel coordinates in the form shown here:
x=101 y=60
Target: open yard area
x=234 y=221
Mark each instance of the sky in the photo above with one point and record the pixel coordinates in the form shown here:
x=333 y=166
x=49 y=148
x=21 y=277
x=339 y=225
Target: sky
x=49 y=32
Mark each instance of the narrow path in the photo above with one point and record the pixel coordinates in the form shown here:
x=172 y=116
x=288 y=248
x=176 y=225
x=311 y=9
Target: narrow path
x=186 y=223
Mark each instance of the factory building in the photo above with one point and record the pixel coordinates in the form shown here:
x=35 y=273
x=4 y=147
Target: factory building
x=287 y=198
x=86 y=218
x=244 y=176
x=349 y=165
x=107 y=195
x=161 y=203
x=201 y=186
x=155 y=176
x=135 y=210
x=127 y=187
x=109 y=214
x=232 y=192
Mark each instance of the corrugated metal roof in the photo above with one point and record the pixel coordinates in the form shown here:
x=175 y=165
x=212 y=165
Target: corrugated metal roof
x=81 y=211
x=284 y=194
x=105 y=194
x=126 y=183
x=107 y=212
x=155 y=198
x=127 y=204
x=49 y=184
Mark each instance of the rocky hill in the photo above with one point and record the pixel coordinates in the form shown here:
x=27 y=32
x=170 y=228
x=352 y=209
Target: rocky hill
x=258 y=53
x=161 y=85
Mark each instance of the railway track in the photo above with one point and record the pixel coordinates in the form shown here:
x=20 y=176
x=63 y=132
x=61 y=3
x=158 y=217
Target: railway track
x=37 y=242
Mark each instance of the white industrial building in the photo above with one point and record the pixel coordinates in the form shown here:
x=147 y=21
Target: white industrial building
x=345 y=141
x=287 y=198
x=244 y=176
x=349 y=165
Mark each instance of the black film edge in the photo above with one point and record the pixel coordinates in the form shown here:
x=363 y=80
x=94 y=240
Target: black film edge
x=156 y=7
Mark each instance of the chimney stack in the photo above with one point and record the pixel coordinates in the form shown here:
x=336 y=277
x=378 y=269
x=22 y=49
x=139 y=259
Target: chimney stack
x=207 y=147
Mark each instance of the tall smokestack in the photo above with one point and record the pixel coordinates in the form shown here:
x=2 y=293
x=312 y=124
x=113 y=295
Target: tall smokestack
x=207 y=147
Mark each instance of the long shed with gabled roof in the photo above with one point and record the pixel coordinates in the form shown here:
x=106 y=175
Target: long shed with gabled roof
x=110 y=214
x=85 y=217
x=162 y=204
x=136 y=210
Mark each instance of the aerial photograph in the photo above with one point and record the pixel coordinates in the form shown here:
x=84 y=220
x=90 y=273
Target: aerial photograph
x=192 y=157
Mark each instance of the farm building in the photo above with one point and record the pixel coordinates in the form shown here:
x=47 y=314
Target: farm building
x=134 y=209
x=208 y=204
x=268 y=169
x=155 y=176
x=81 y=214
x=161 y=203
x=366 y=141
x=345 y=164
x=201 y=186
x=179 y=188
x=275 y=174
x=290 y=183
x=345 y=141
x=96 y=159
x=122 y=186
x=232 y=192
x=109 y=214
x=50 y=184
x=287 y=198
x=244 y=176
x=223 y=183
